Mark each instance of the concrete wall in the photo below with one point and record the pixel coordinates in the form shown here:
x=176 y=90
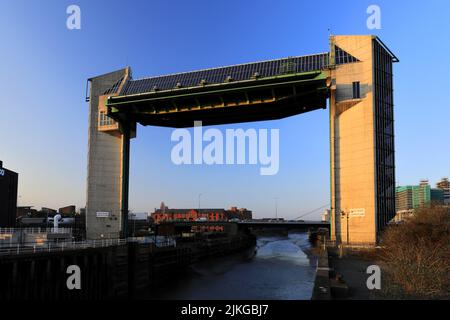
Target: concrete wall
x=352 y=145
x=104 y=178
x=43 y=275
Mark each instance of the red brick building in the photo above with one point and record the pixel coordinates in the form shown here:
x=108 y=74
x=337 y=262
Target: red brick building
x=166 y=214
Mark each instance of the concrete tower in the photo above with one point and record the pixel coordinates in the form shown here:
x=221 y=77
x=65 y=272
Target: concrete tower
x=105 y=165
x=362 y=138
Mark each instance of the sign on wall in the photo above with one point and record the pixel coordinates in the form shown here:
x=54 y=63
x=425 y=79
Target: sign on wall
x=103 y=214
x=358 y=212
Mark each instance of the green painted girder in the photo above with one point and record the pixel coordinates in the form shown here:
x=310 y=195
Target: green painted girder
x=231 y=102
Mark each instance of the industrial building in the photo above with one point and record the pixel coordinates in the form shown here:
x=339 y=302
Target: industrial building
x=165 y=214
x=25 y=211
x=67 y=210
x=8 y=197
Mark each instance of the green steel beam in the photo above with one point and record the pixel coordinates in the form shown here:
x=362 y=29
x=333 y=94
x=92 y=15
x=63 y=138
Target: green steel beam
x=250 y=100
x=207 y=90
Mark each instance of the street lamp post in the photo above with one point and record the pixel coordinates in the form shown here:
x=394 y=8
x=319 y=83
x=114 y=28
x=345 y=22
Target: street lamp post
x=343 y=214
x=347 y=229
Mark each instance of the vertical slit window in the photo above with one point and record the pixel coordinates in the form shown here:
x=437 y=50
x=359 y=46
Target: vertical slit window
x=356 y=90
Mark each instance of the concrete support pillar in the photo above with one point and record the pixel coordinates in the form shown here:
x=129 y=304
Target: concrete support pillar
x=106 y=200
x=125 y=176
x=361 y=132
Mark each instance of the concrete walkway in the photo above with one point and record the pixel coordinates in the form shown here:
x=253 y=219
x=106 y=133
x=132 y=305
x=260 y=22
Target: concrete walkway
x=353 y=270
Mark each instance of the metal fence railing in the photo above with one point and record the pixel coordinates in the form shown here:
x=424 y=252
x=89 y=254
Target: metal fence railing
x=33 y=247
x=159 y=241
x=350 y=247
x=30 y=248
x=34 y=230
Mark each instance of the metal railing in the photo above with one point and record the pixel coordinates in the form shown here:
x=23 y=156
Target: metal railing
x=7 y=230
x=354 y=247
x=164 y=242
x=353 y=244
x=36 y=230
x=32 y=248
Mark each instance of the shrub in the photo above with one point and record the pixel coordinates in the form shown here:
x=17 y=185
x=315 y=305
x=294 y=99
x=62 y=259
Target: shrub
x=416 y=253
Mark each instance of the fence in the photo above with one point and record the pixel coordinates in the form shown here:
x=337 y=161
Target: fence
x=61 y=246
x=342 y=248
x=31 y=248
x=333 y=243
x=35 y=230
x=160 y=241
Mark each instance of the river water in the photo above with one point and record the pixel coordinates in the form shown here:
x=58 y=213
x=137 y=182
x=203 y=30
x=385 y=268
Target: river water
x=280 y=269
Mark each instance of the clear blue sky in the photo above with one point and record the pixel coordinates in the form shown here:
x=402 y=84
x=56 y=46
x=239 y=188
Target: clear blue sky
x=44 y=118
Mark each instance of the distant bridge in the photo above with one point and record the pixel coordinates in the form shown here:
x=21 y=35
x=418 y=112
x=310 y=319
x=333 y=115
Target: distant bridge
x=287 y=225
x=298 y=225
